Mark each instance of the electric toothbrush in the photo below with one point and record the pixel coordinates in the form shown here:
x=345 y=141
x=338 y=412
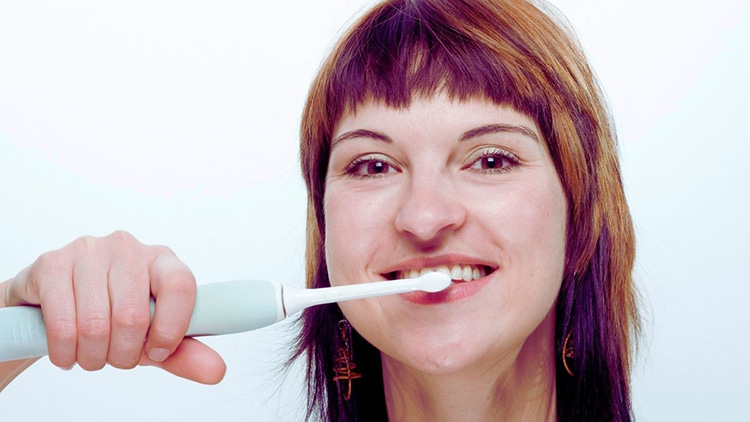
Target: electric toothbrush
x=220 y=308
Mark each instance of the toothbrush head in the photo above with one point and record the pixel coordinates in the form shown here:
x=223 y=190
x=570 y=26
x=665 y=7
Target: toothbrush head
x=434 y=282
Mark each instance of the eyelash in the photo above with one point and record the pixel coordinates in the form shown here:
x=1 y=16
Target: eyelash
x=496 y=152
x=355 y=166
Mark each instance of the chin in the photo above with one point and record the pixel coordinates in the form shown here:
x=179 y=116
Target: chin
x=438 y=358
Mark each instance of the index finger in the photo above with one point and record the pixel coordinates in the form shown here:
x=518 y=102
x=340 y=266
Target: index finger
x=173 y=288
x=48 y=283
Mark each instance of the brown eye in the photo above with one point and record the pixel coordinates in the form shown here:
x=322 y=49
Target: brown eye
x=377 y=167
x=491 y=162
x=369 y=166
x=494 y=161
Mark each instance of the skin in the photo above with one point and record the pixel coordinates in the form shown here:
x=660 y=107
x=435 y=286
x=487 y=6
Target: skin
x=409 y=187
x=94 y=294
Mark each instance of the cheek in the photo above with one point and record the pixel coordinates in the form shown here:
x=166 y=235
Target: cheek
x=541 y=224
x=541 y=241
x=354 y=232
x=528 y=225
x=550 y=219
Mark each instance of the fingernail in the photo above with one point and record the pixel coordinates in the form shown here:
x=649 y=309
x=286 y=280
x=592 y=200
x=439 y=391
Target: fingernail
x=68 y=368
x=157 y=354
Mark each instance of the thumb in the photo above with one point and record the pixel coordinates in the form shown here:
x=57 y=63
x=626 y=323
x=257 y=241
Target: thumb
x=192 y=360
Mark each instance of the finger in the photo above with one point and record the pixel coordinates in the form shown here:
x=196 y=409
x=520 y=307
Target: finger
x=92 y=306
x=173 y=288
x=129 y=294
x=23 y=289
x=192 y=360
x=48 y=282
x=19 y=289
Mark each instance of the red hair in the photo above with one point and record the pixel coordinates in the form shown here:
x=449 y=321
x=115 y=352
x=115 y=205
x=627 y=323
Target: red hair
x=508 y=52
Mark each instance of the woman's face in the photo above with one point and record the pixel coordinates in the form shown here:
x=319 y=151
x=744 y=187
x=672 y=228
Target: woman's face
x=467 y=186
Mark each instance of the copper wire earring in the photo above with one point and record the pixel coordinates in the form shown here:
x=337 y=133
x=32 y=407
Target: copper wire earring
x=344 y=369
x=567 y=353
x=567 y=350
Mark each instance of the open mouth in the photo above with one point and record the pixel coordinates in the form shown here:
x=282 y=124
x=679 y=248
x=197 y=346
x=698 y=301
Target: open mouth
x=459 y=273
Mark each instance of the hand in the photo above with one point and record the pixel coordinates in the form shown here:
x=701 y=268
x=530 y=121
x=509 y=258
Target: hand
x=94 y=294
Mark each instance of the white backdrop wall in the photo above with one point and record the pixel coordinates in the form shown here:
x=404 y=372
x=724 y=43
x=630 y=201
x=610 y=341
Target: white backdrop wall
x=177 y=121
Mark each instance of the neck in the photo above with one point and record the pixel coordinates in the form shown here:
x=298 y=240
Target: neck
x=517 y=387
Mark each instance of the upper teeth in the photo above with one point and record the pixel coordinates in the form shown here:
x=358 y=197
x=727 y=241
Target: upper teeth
x=457 y=272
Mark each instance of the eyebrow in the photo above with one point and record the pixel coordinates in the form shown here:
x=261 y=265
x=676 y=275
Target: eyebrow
x=469 y=134
x=361 y=133
x=498 y=128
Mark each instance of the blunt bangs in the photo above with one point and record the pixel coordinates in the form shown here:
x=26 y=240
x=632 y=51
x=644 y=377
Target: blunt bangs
x=420 y=50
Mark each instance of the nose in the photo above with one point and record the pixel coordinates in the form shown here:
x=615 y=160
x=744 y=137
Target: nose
x=430 y=209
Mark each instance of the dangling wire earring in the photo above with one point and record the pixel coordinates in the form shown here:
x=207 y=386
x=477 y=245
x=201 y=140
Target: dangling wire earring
x=344 y=369
x=567 y=353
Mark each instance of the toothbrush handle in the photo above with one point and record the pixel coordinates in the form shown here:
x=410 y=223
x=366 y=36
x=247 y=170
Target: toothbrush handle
x=220 y=308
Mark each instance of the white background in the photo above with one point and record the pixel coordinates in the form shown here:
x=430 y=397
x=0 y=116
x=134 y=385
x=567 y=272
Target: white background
x=177 y=121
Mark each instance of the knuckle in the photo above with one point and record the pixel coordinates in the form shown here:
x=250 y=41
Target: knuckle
x=49 y=273
x=94 y=328
x=85 y=244
x=47 y=262
x=122 y=237
x=62 y=362
x=126 y=247
x=93 y=365
x=125 y=359
x=61 y=331
x=131 y=318
x=162 y=250
x=179 y=282
x=124 y=363
x=164 y=337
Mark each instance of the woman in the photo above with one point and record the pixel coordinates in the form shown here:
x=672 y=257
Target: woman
x=462 y=136
x=471 y=134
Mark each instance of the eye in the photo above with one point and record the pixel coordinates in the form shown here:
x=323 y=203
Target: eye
x=370 y=166
x=493 y=160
